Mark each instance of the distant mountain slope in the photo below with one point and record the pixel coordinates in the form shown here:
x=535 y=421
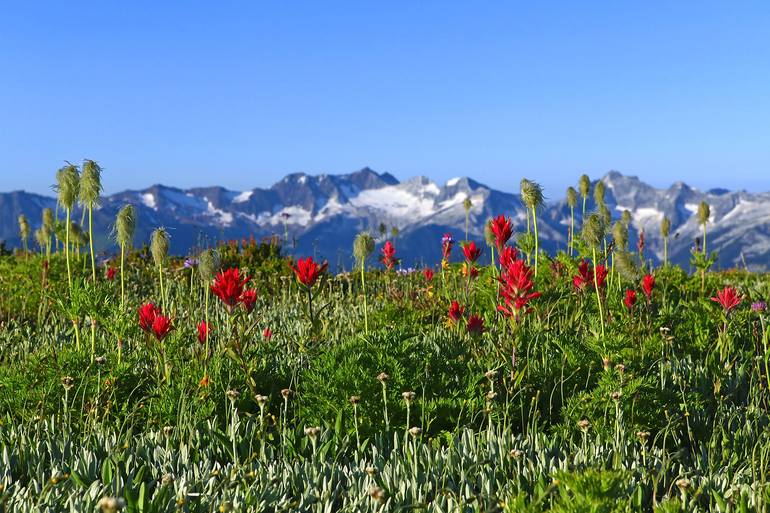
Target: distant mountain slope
x=322 y=215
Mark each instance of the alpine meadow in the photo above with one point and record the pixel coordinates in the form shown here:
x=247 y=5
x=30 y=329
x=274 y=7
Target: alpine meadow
x=242 y=376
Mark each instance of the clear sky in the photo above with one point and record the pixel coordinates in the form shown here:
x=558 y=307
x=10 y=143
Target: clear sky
x=240 y=93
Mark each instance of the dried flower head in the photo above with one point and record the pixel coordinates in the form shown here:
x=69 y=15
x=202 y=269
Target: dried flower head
x=363 y=246
x=383 y=377
x=125 y=225
x=355 y=399
x=665 y=227
x=531 y=194
x=159 y=245
x=408 y=396
x=261 y=400
x=704 y=212
x=111 y=504
x=490 y=374
x=312 y=432
x=415 y=431
x=584 y=424
x=233 y=394
x=286 y=393
x=584 y=185
x=599 y=190
x=593 y=230
x=90 y=184
x=68 y=382
x=208 y=264
x=67 y=185
x=615 y=396
x=572 y=197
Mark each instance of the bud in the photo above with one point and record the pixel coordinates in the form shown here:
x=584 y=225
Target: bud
x=159 y=245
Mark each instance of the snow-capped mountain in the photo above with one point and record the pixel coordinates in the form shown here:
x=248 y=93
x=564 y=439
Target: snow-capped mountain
x=322 y=214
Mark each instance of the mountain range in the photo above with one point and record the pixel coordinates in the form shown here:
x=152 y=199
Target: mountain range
x=320 y=215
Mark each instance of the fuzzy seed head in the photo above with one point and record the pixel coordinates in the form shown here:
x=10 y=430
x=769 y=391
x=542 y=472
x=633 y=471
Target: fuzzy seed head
x=599 y=191
x=23 y=227
x=620 y=234
x=125 y=225
x=605 y=214
x=593 y=230
x=704 y=212
x=41 y=239
x=48 y=220
x=208 y=264
x=90 y=183
x=665 y=227
x=584 y=185
x=68 y=185
x=159 y=245
x=626 y=217
x=531 y=193
x=572 y=197
x=626 y=266
x=363 y=246
x=467 y=204
x=489 y=235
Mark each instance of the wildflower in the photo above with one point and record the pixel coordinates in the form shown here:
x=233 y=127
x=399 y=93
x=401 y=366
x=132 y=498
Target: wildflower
x=147 y=314
x=261 y=400
x=683 y=483
x=377 y=494
x=471 y=251
x=643 y=436
x=383 y=377
x=161 y=327
x=415 y=431
x=446 y=247
x=286 y=393
x=203 y=332
x=585 y=276
x=68 y=382
x=110 y=273
x=516 y=453
x=455 y=312
x=248 y=299
x=508 y=255
x=501 y=228
x=475 y=325
x=267 y=334
x=389 y=255
x=307 y=271
x=312 y=432
x=490 y=374
x=630 y=300
x=584 y=424
x=111 y=504
x=600 y=273
x=428 y=274
x=648 y=284
x=408 y=396
x=100 y=360
x=355 y=399
x=228 y=286
x=759 y=306
x=640 y=243
x=233 y=394
x=516 y=290
x=468 y=271
x=615 y=396
x=189 y=263
x=728 y=299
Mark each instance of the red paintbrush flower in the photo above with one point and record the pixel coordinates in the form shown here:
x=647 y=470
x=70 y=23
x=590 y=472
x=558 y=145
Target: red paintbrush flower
x=203 y=332
x=728 y=299
x=648 y=283
x=501 y=229
x=469 y=270
x=508 y=255
x=307 y=271
x=475 y=325
x=455 y=312
x=389 y=255
x=248 y=299
x=428 y=273
x=161 y=327
x=630 y=299
x=110 y=274
x=228 y=286
x=267 y=334
x=147 y=314
x=516 y=290
x=471 y=251
x=640 y=243
x=601 y=274
x=584 y=276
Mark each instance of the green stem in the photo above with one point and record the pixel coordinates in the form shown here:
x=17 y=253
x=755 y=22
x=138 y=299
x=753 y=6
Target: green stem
x=67 y=250
x=598 y=295
x=122 y=280
x=571 y=238
x=363 y=289
x=162 y=294
x=91 y=240
x=537 y=243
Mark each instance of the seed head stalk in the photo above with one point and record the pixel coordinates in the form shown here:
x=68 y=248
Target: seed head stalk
x=598 y=294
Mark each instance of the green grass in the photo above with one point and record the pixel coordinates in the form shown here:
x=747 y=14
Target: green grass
x=676 y=406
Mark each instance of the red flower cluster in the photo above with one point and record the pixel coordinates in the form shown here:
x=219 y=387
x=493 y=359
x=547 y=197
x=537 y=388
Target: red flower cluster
x=507 y=256
x=110 y=273
x=389 y=255
x=228 y=286
x=585 y=276
x=248 y=299
x=728 y=298
x=428 y=273
x=307 y=271
x=648 y=283
x=516 y=290
x=151 y=321
x=471 y=251
x=475 y=325
x=501 y=229
x=630 y=300
x=203 y=332
x=456 y=312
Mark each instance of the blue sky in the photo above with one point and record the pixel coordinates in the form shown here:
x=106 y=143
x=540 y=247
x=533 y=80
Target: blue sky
x=240 y=93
